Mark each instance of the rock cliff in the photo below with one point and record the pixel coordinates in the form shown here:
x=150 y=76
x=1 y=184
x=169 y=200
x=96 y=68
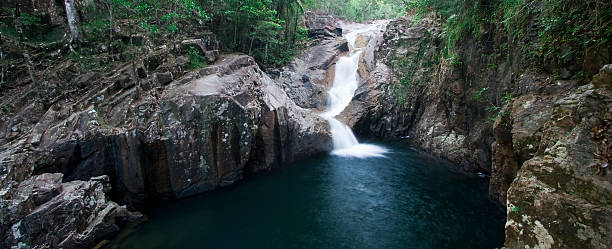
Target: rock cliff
x=149 y=131
x=81 y=153
x=543 y=139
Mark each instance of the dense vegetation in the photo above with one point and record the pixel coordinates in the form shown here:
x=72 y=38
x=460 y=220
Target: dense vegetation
x=97 y=35
x=361 y=10
x=551 y=33
x=109 y=31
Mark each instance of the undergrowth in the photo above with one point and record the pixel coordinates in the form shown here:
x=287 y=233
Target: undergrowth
x=549 y=32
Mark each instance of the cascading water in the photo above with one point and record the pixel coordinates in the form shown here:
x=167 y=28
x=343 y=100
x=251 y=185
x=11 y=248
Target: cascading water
x=346 y=82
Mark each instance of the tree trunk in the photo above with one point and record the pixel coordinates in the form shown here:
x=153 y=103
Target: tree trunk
x=251 y=45
x=295 y=25
x=109 y=5
x=26 y=55
x=235 y=28
x=287 y=21
x=266 y=51
x=73 y=21
x=134 y=74
x=2 y=70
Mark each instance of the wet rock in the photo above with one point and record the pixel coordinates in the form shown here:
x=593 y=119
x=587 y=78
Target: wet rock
x=317 y=63
x=180 y=133
x=344 y=47
x=395 y=101
x=200 y=133
x=547 y=149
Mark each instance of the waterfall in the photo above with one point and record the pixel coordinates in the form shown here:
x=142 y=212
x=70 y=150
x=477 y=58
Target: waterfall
x=346 y=82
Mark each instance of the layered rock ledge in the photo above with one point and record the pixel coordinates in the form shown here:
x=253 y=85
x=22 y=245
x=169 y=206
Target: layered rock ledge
x=161 y=134
x=543 y=140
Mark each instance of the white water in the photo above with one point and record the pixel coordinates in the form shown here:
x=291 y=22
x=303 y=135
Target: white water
x=346 y=82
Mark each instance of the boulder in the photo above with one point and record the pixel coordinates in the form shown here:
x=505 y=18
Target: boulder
x=164 y=78
x=43 y=212
x=195 y=133
x=604 y=78
x=307 y=78
x=518 y=132
x=322 y=25
x=562 y=197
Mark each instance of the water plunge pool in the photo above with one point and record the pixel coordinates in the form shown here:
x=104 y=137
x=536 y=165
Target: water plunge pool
x=403 y=200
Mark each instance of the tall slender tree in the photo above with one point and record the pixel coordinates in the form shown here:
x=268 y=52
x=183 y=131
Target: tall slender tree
x=73 y=22
x=18 y=23
x=1 y=70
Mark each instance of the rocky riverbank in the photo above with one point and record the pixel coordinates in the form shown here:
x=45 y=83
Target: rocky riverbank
x=543 y=139
x=81 y=153
x=170 y=134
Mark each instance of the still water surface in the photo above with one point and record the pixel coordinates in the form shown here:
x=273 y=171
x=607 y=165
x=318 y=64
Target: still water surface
x=404 y=200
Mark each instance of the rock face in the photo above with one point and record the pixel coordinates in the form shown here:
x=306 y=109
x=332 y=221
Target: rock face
x=160 y=132
x=43 y=212
x=157 y=131
x=321 y=25
x=307 y=78
x=204 y=130
x=544 y=140
x=562 y=196
x=404 y=96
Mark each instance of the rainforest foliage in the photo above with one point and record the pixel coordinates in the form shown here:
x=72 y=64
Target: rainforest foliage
x=550 y=33
x=267 y=29
x=102 y=32
x=361 y=10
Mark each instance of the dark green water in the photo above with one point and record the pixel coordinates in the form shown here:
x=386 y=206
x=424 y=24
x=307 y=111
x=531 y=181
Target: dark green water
x=406 y=200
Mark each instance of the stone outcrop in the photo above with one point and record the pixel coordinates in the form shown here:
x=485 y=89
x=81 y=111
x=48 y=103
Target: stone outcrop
x=307 y=78
x=562 y=196
x=157 y=131
x=544 y=140
x=160 y=132
x=321 y=26
x=406 y=95
x=43 y=212
x=204 y=130
x=519 y=130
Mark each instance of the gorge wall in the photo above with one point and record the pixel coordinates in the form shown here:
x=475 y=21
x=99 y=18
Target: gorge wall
x=543 y=139
x=80 y=151
x=89 y=142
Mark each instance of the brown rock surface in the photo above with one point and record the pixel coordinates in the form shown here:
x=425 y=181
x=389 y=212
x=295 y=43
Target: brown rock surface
x=43 y=212
x=562 y=197
x=161 y=134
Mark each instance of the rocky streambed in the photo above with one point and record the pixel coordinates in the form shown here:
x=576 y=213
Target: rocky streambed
x=404 y=200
